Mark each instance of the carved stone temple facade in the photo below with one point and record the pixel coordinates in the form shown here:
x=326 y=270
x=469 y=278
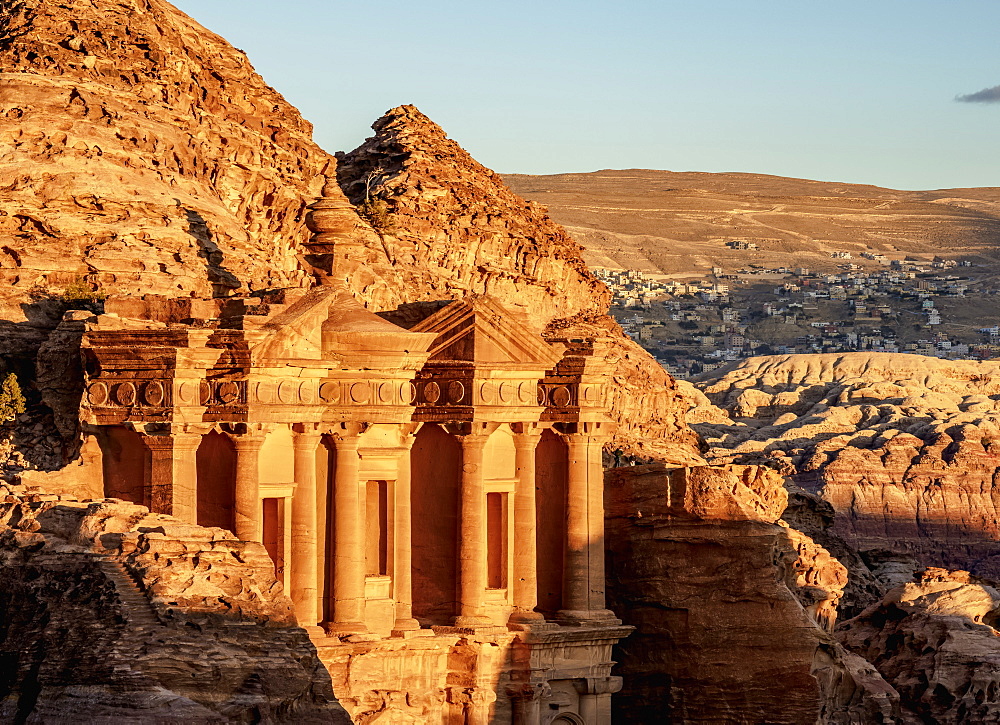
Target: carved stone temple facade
x=428 y=482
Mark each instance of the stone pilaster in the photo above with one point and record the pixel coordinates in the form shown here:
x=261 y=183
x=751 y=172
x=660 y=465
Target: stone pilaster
x=349 y=533
x=525 y=578
x=305 y=573
x=172 y=484
x=402 y=575
x=583 y=583
x=249 y=512
x=472 y=576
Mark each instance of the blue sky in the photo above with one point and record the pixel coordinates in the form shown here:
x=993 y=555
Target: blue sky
x=850 y=91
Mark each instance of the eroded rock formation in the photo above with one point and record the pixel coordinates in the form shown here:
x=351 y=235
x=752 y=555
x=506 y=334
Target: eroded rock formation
x=732 y=610
x=934 y=640
x=110 y=612
x=904 y=448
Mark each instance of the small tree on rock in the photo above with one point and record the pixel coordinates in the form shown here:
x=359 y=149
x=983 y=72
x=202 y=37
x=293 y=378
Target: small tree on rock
x=11 y=399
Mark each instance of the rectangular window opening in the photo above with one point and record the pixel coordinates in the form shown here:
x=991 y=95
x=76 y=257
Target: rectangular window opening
x=377 y=528
x=496 y=540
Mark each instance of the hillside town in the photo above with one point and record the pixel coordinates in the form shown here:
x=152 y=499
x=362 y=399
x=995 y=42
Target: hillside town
x=692 y=325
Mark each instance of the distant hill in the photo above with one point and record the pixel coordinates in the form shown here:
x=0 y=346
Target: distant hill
x=679 y=222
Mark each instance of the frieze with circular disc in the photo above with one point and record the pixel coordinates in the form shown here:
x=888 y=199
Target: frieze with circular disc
x=307 y=391
x=329 y=392
x=187 y=392
x=506 y=392
x=263 y=392
x=432 y=392
x=97 y=393
x=525 y=392
x=487 y=392
x=385 y=392
x=543 y=395
x=124 y=393
x=407 y=393
x=288 y=392
x=153 y=393
x=361 y=392
x=204 y=393
x=560 y=396
x=456 y=391
x=227 y=392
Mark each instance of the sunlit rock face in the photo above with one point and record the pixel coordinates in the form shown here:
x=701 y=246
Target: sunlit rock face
x=904 y=448
x=143 y=153
x=733 y=610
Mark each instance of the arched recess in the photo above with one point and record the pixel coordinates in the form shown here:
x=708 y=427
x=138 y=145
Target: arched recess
x=436 y=476
x=567 y=718
x=551 y=470
x=125 y=463
x=216 y=481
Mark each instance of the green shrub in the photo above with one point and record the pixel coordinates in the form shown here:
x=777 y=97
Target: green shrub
x=11 y=399
x=376 y=212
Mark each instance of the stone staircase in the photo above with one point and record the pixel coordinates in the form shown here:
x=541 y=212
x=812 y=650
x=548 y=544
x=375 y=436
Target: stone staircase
x=138 y=609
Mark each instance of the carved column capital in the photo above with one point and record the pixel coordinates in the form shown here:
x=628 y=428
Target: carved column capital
x=598 y=685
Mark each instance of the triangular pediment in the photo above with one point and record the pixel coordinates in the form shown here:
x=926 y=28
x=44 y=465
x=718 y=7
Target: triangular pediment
x=481 y=331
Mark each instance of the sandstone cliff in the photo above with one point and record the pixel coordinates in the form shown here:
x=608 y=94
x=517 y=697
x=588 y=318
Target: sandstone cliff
x=110 y=613
x=733 y=610
x=142 y=153
x=457 y=228
x=904 y=448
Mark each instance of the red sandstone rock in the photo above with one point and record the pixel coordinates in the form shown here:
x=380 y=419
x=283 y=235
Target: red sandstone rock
x=730 y=608
x=905 y=448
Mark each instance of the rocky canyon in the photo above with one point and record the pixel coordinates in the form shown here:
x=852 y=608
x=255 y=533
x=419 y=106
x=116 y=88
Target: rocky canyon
x=351 y=437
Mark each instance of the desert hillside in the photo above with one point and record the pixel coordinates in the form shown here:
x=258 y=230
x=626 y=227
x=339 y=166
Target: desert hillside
x=680 y=222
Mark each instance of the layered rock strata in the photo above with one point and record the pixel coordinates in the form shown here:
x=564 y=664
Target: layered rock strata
x=732 y=609
x=905 y=449
x=112 y=613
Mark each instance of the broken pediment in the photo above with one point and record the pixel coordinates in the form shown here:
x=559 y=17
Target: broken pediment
x=328 y=323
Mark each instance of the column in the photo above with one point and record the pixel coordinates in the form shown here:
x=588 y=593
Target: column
x=402 y=573
x=305 y=584
x=595 y=509
x=348 y=554
x=577 y=562
x=595 y=698
x=172 y=485
x=248 y=518
x=185 y=467
x=472 y=528
x=525 y=575
x=583 y=585
x=160 y=474
x=526 y=701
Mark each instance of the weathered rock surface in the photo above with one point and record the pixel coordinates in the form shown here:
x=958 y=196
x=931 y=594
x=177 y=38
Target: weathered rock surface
x=458 y=228
x=143 y=153
x=731 y=608
x=904 y=448
x=933 y=640
x=110 y=613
